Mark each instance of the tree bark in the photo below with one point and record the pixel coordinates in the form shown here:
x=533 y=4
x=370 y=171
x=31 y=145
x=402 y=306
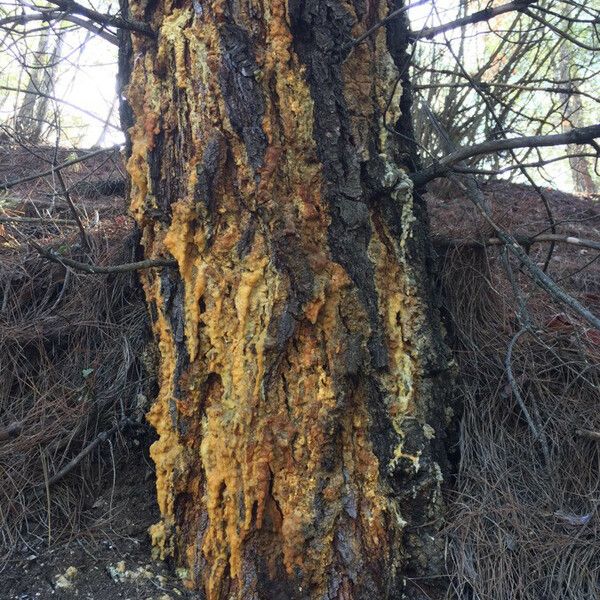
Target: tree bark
x=301 y=411
x=32 y=117
x=572 y=117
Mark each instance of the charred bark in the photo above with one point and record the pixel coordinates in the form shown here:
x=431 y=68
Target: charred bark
x=301 y=412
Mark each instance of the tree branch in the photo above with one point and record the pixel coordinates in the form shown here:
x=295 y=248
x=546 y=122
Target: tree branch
x=57 y=15
x=68 y=163
x=537 y=275
x=390 y=17
x=18 y=90
x=35 y=220
x=522 y=240
x=580 y=135
x=477 y=17
x=101 y=437
x=72 y=7
x=102 y=270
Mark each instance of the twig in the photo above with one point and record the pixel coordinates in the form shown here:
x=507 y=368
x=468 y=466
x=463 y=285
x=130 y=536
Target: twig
x=589 y=434
x=101 y=437
x=539 y=276
x=10 y=88
x=69 y=6
x=85 y=242
x=390 y=17
x=33 y=220
x=537 y=433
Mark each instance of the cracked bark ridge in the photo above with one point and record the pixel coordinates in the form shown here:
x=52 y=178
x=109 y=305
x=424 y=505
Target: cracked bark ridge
x=301 y=410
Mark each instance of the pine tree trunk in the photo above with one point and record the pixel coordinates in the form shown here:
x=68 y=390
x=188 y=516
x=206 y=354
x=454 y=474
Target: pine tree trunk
x=301 y=409
x=32 y=117
x=572 y=117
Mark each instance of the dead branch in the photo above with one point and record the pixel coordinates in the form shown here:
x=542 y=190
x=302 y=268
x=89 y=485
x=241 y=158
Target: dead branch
x=72 y=7
x=390 y=17
x=34 y=220
x=538 y=275
x=524 y=241
x=10 y=184
x=10 y=88
x=102 y=270
x=101 y=437
x=579 y=135
x=589 y=434
x=481 y=15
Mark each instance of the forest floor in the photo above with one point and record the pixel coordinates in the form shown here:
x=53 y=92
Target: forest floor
x=107 y=554
x=109 y=557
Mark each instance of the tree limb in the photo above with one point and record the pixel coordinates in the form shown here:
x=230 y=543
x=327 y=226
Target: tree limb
x=539 y=276
x=102 y=270
x=579 y=135
x=35 y=220
x=68 y=163
x=57 y=15
x=390 y=17
x=18 y=90
x=72 y=7
x=101 y=437
x=522 y=240
x=477 y=17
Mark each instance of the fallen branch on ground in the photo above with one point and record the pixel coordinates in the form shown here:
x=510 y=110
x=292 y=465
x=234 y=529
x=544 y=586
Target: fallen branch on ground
x=101 y=437
x=103 y=270
x=68 y=163
x=521 y=239
x=34 y=220
x=589 y=434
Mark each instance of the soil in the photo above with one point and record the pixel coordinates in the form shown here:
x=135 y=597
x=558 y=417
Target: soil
x=109 y=557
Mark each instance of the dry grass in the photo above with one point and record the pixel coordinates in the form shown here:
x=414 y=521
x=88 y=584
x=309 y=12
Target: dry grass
x=70 y=347
x=524 y=520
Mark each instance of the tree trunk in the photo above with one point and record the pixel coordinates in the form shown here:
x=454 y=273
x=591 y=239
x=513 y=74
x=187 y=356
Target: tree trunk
x=301 y=410
x=32 y=117
x=572 y=117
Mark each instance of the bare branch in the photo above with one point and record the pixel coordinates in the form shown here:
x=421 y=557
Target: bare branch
x=390 y=17
x=46 y=17
x=34 y=220
x=72 y=7
x=581 y=135
x=524 y=241
x=85 y=242
x=10 y=88
x=102 y=270
x=10 y=184
x=101 y=437
x=477 y=17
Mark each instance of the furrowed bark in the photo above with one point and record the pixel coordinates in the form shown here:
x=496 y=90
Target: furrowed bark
x=301 y=411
